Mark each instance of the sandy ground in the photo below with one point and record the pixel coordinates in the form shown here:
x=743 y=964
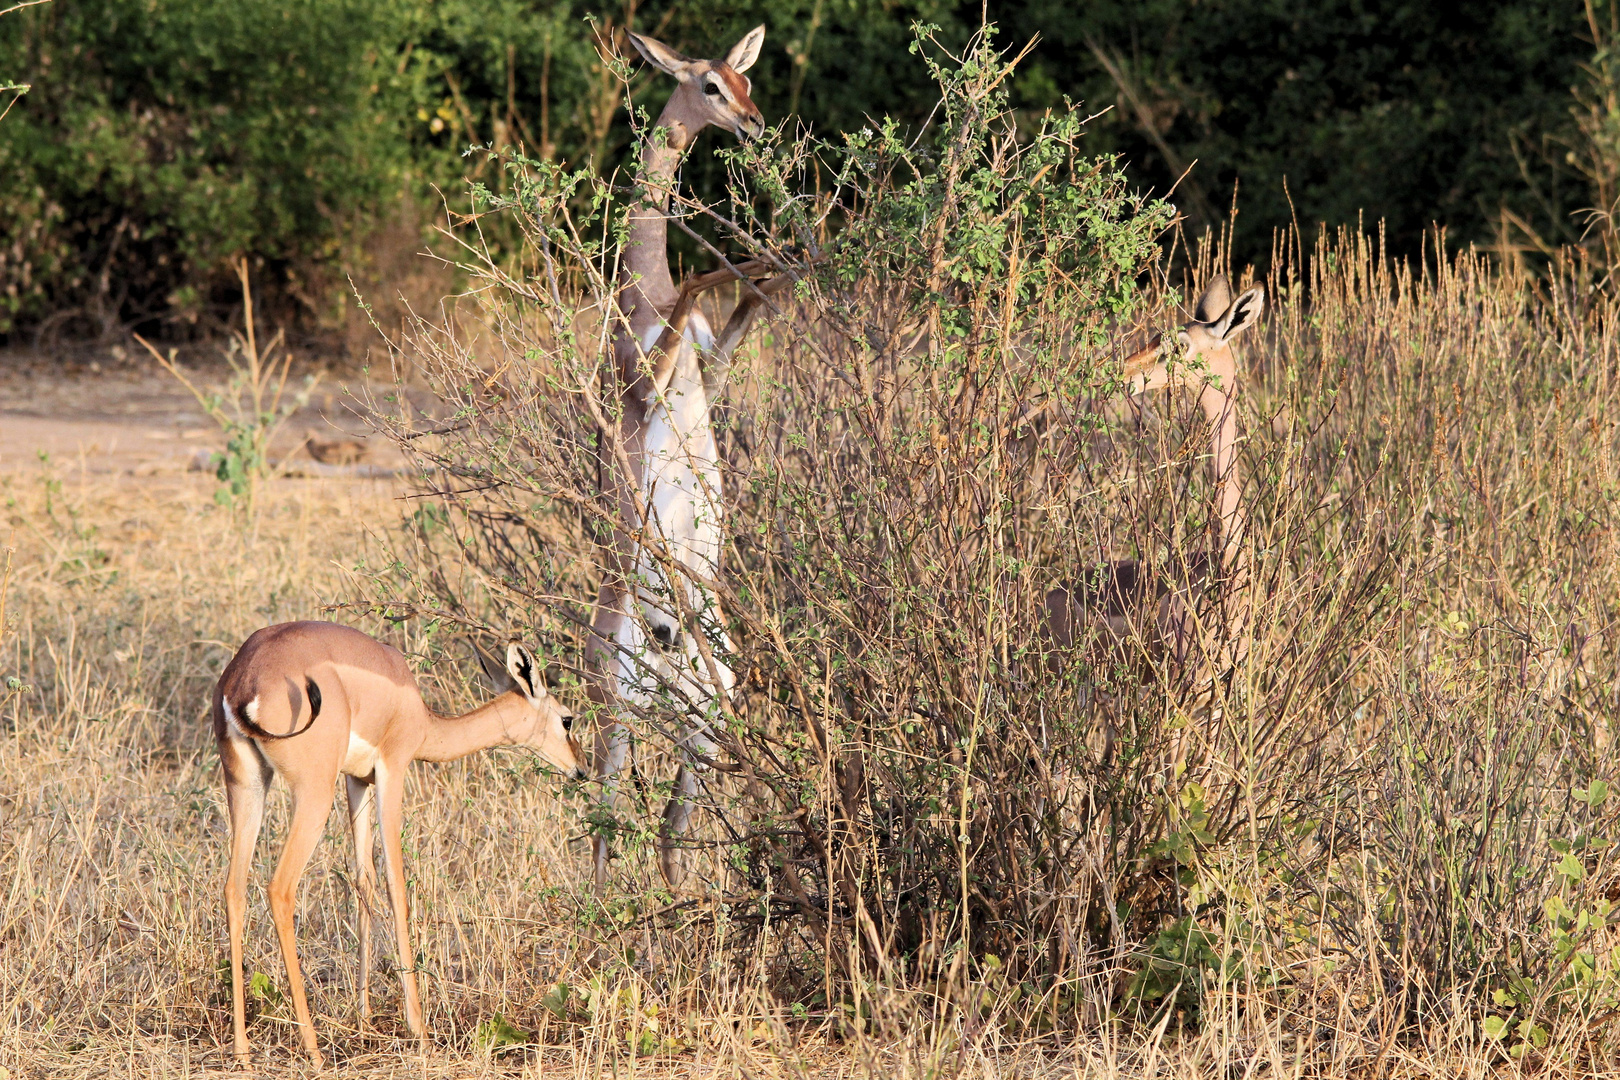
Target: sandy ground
x=139 y=421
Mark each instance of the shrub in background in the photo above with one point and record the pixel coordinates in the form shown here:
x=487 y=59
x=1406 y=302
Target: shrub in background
x=165 y=139
x=12 y=91
x=161 y=140
x=1407 y=113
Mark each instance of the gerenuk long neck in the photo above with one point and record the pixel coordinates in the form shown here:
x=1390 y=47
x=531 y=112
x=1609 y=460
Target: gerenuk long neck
x=1220 y=409
x=501 y=722
x=646 y=259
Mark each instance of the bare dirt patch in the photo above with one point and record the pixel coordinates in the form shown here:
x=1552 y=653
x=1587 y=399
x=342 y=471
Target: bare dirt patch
x=140 y=422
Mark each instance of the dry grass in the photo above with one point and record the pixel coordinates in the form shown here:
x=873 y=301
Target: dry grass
x=1477 y=412
x=125 y=601
x=1379 y=852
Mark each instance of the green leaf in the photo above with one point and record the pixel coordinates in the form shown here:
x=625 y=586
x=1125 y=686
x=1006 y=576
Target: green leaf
x=1495 y=1026
x=260 y=988
x=498 y=1032
x=555 y=1000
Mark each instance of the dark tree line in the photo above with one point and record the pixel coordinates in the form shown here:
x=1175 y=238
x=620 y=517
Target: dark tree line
x=163 y=137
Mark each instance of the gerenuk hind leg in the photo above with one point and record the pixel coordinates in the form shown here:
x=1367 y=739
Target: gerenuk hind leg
x=362 y=809
x=312 y=802
x=246 y=779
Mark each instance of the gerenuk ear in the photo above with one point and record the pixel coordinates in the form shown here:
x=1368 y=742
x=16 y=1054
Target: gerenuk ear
x=1244 y=313
x=745 y=52
x=490 y=665
x=525 y=673
x=661 y=56
x=1216 y=299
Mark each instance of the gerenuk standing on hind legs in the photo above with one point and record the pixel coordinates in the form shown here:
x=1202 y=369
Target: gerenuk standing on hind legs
x=658 y=638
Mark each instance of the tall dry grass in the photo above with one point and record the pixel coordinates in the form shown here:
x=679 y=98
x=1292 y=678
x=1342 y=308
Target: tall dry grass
x=1412 y=891
x=125 y=602
x=1390 y=852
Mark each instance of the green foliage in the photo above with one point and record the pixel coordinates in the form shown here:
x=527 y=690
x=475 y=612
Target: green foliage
x=1188 y=827
x=1403 y=112
x=163 y=139
x=263 y=989
x=251 y=408
x=9 y=91
x=1175 y=964
x=496 y=1034
x=556 y=1000
x=1570 y=972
